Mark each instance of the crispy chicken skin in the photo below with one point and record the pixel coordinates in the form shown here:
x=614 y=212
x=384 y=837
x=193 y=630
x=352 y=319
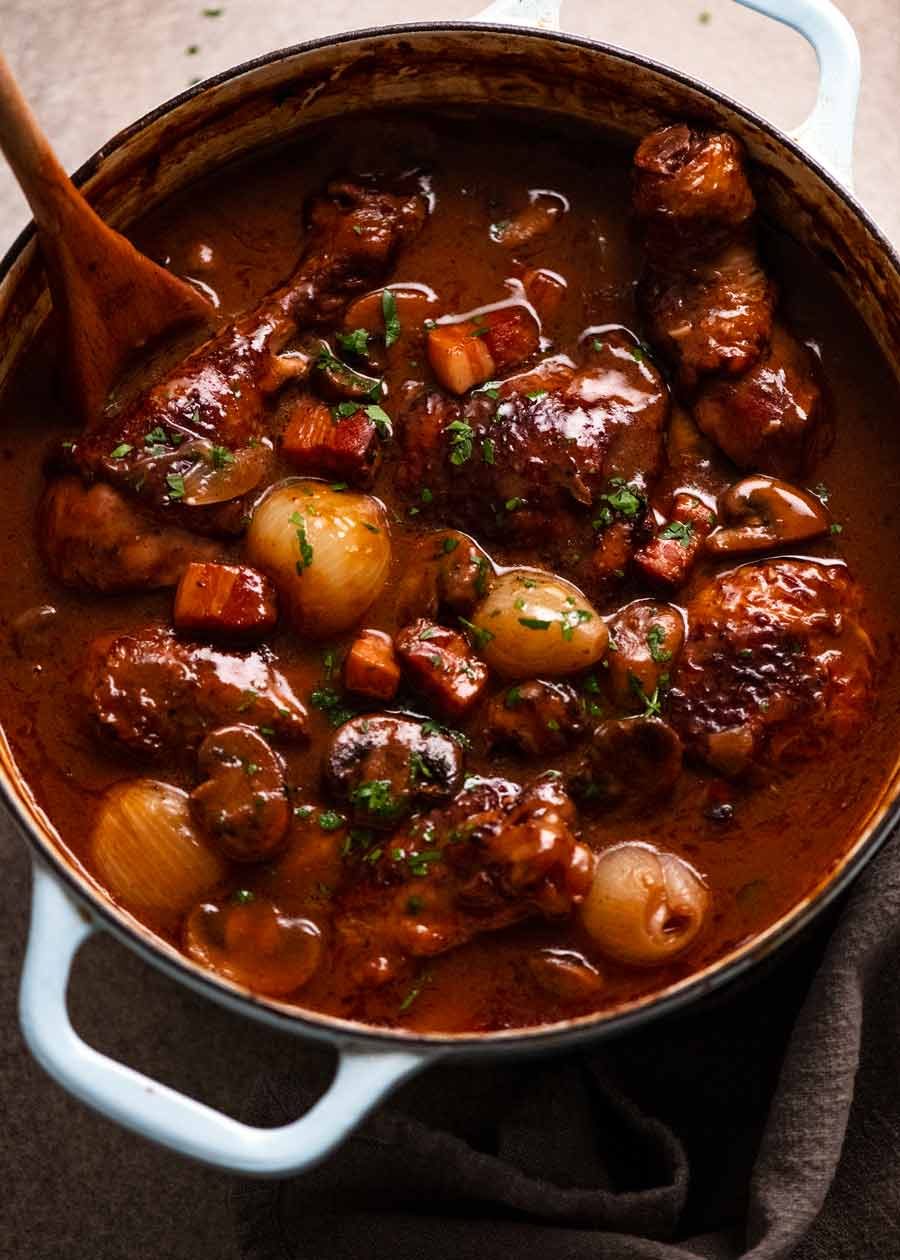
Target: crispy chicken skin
x=776 y=664
x=497 y=854
x=94 y=538
x=532 y=464
x=154 y=693
x=710 y=306
x=767 y=418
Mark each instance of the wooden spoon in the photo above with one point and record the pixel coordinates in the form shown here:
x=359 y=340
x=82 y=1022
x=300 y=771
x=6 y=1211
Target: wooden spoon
x=110 y=299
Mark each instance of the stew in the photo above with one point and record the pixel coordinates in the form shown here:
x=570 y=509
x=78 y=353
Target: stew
x=490 y=623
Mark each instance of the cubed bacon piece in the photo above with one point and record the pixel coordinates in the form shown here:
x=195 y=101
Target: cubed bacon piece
x=326 y=443
x=440 y=664
x=545 y=290
x=669 y=557
x=474 y=349
x=225 y=599
x=371 y=667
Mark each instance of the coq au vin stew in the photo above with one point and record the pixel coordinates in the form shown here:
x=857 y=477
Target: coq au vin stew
x=490 y=623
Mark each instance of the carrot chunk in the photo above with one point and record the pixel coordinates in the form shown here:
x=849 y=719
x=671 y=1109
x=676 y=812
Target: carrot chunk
x=370 y=667
x=321 y=441
x=225 y=599
x=440 y=664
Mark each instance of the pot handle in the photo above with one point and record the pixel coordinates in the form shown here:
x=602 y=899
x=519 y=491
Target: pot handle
x=827 y=134
x=58 y=929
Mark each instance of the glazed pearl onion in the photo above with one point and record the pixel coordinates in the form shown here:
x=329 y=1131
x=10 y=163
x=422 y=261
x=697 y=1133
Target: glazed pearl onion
x=147 y=850
x=328 y=552
x=643 y=906
x=537 y=624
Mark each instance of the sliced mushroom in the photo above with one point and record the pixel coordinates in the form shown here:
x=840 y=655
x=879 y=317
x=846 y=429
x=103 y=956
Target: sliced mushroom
x=647 y=637
x=382 y=764
x=565 y=975
x=536 y=717
x=632 y=761
x=759 y=512
x=242 y=805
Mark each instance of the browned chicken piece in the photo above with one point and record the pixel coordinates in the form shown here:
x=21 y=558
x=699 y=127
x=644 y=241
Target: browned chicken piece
x=154 y=693
x=440 y=664
x=496 y=855
x=630 y=763
x=242 y=804
x=690 y=184
x=544 y=465
x=768 y=419
x=538 y=718
x=228 y=600
x=667 y=559
x=212 y=407
x=325 y=443
x=709 y=313
x=448 y=572
x=371 y=667
x=383 y=765
x=645 y=639
x=776 y=665
x=93 y=538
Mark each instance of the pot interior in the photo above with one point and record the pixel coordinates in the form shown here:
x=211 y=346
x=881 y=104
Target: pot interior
x=407 y=68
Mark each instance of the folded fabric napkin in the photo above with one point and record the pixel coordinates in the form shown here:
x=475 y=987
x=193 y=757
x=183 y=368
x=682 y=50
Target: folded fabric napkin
x=766 y=1125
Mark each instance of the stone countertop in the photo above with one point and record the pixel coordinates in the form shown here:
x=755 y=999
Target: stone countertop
x=73 y=1184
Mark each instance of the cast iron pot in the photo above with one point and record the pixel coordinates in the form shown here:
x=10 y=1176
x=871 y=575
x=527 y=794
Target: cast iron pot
x=803 y=181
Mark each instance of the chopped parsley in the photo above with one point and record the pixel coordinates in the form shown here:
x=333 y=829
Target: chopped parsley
x=413 y=994
x=536 y=394
x=460 y=435
x=479 y=635
x=512 y=504
x=437 y=728
x=354 y=342
x=656 y=637
x=835 y=528
x=534 y=623
x=306 y=551
x=571 y=619
x=248 y=700
x=449 y=544
x=329 y=702
x=681 y=531
x=419 y=769
x=338 y=486
x=303 y=812
x=330 y=820
x=156 y=437
x=175 y=483
x=391 y=318
x=597 y=344
x=242 y=896
x=381 y=420
x=376 y=799
x=123 y=449
x=220 y=456
x=621 y=498
x=512 y=698
x=414 y=905
x=426 y=495
x=821 y=492
x=487 y=451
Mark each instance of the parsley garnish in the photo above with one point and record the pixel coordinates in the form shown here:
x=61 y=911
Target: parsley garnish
x=391 y=318
x=381 y=420
x=306 y=551
x=512 y=504
x=512 y=698
x=123 y=449
x=682 y=531
x=460 y=441
x=354 y=342
x=487 y=451
x=571 y=618
x=330 y=820
x=242 y=896
x=656 y=637
x=175 y=482
x=534 y=623
x=220 y=456
x=480 y=635
x=376 y=799
x=327 y=700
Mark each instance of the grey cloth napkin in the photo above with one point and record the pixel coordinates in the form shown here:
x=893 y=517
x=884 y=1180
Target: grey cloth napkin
x=766 y=1125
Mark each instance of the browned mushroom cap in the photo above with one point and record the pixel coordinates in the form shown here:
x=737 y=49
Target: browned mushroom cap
x=536 y=717
x=381 y=764
x=565 y=975
x=759 y=512
x=242 y=806
x=632 y=761
x=647 y=637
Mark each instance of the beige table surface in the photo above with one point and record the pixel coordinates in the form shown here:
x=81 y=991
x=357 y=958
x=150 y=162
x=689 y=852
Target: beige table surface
x=72 y=1185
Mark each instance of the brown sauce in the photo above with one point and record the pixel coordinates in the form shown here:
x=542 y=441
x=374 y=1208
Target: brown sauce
x=784 y=835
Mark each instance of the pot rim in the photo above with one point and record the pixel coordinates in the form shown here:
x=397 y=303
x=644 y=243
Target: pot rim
x=714 y=976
